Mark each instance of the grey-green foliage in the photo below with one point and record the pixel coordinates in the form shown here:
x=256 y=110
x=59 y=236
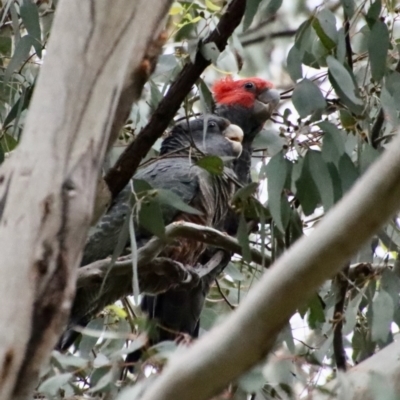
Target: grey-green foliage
x=325 y=135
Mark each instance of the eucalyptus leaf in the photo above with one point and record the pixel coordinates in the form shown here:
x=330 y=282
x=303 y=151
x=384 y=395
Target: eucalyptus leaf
x=333 y=144
x=20 y=55
x=344 y=84
x=382 y=310
x=307 y=98
x=325 y=26
x=348 y=172
x=269 y=139
x=348 y=7
x=166 y=196
x=212 y=164
x=252 y=380
x=293 y=64
x=373 y=13
x=52 y=385
x=322 y=179
x=30 y=17
x=151 y=217
x=20 y=105
x=208 y=318
x=250 y=12
x=306 y=190
x=378 y=47
x=315 y=314
x=277 y=172
x=243 y=238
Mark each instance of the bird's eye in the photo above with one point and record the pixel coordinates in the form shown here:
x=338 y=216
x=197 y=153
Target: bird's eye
x=249 y=85
x=212 y=124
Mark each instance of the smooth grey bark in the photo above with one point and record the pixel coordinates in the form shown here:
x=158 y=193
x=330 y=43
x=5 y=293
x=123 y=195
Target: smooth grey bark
x=47 y=186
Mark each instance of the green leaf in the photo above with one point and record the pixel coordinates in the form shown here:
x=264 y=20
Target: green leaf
x=373 y=13
x=378 y=47
x=307 y=98
x=273 y=6
x=8 y=143
x=155 y=95
x=151 y=218
x=382 y=311
x=87 y=342
x=101 y=378
x=348 y=7
x=344 y=85
x=293 y=64
x=5 y=45
x=212 y=164
x=269 y=139
x=336 y=181
x=233 y=271
x=333 y=143
x=295 y=227
x=243 y=238
x=348 y=172
x=206 y=100
x=20 y=55
x=207 y=318
x=351 y=313
x=253 y=380
x=341 y=46
x=368 y=156
x=322 y=179
x=250 y=12
x=316 y=314
x=325 y=27
x=30 y=17
x=52 y=385
x=20 y=105
x=277 y=173
x=306 y=190
x=166 y=196
x=389 y=107
x=245 y=192
x=211 y=6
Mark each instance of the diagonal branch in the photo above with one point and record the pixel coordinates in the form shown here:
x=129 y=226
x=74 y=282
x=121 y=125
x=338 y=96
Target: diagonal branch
x=222 y=355
x=118 y=177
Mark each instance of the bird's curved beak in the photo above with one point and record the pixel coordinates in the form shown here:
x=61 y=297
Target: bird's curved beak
x=235 y=135
x=266 y=102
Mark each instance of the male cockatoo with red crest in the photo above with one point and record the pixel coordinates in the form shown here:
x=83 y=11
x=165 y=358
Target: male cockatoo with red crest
x=248 y=103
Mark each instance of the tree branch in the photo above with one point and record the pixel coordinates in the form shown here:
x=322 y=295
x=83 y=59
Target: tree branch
x=150 y=271
x=341 y=282
x=118 y=177
x=268 y=36
x=289 y=283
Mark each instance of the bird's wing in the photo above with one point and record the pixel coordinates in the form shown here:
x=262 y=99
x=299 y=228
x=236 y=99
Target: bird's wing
x=175 y=174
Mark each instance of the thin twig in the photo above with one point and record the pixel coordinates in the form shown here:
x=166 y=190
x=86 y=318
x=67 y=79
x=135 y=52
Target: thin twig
x=341 y=283
x=230 y=305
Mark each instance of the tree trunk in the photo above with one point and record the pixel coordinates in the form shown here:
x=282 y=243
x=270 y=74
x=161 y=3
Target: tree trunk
x=47 y=186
